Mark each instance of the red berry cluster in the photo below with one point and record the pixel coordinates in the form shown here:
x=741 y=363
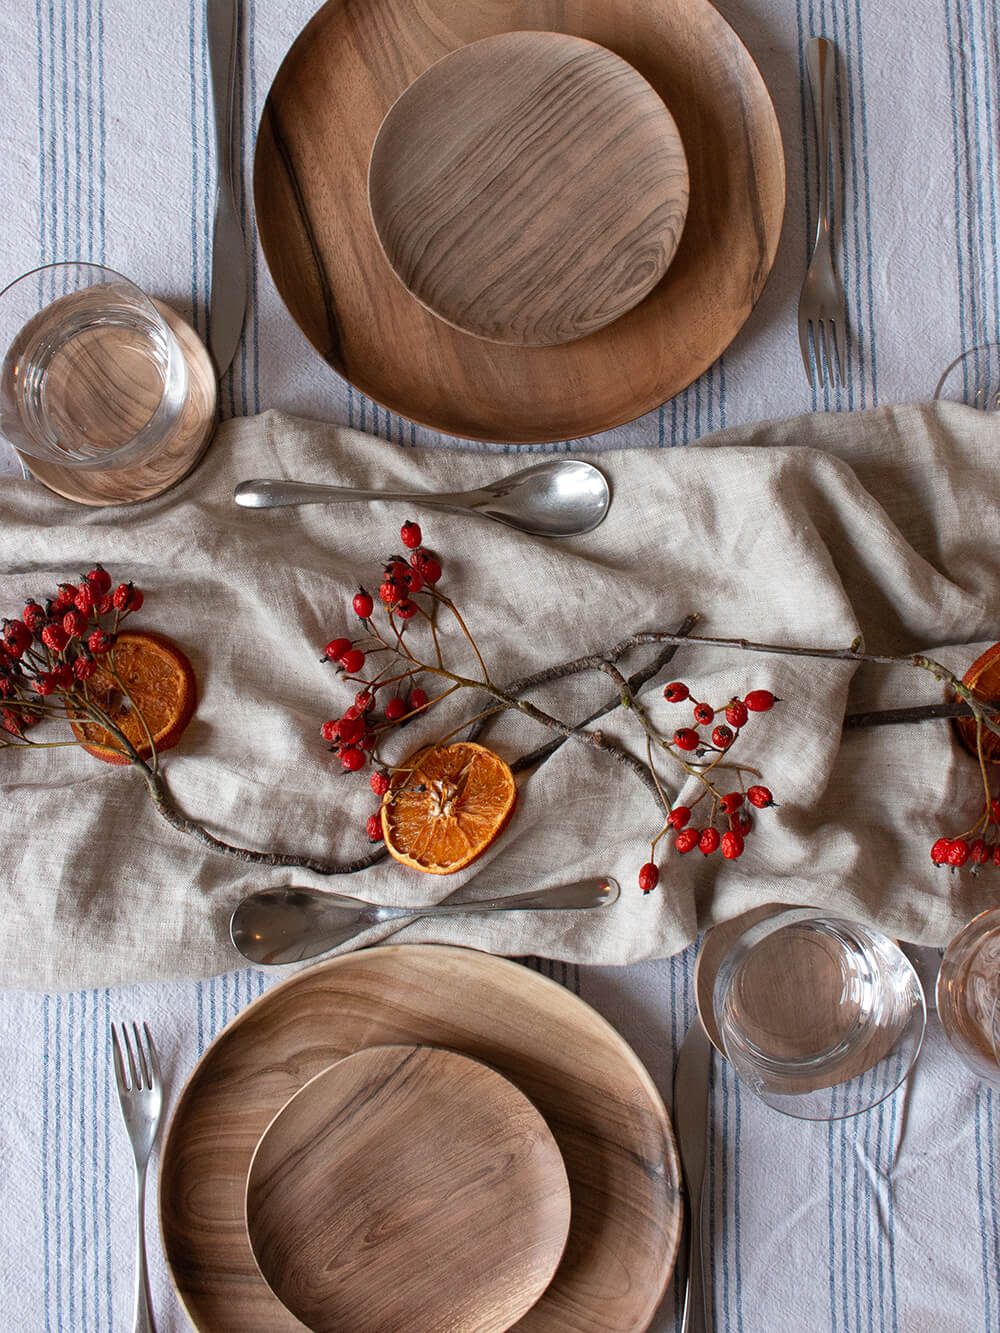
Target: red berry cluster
x=979 y=847
x=53 y=648
x=355 y=735
x=708 y=741
x=723 y=735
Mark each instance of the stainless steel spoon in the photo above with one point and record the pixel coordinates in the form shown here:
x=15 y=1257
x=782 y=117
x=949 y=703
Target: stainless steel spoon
x=287 y=925
x=560 y=498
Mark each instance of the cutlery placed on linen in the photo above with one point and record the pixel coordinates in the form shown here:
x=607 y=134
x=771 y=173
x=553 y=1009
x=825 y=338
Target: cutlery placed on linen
x=690 y=1116
x=561 y=498
x=229 y=261
x=822 y=308
x=287 y=925
x=140 y=1093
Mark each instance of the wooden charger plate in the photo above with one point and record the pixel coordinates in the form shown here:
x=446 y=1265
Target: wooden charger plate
x=411 y=1190
x=529 y=188
x=594 y=1094
x=322 y=114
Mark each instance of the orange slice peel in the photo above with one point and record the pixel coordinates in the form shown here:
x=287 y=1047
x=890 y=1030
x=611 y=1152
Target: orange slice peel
x=159 y=681
x=983 y=678
x=445 y=805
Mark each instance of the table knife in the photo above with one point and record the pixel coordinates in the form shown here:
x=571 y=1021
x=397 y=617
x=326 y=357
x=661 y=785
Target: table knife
x=229 y=265
x=691 y=1080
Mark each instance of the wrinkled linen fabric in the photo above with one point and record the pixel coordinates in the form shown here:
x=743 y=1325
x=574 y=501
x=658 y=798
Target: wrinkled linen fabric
x=802 y=532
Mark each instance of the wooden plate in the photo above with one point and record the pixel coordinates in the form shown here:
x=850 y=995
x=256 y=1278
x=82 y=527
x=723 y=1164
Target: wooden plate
x=529 y=188
x=596 y=1097
x=320 y=120
x=406 y=1189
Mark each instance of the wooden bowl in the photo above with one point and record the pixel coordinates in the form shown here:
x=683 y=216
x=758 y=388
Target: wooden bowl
x=408 y=1188
x=319 y=123
x=529 y=188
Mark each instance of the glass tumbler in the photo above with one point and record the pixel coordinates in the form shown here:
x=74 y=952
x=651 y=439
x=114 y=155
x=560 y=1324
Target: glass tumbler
x=92 y=376
x=968 y=994
x=820 y=1017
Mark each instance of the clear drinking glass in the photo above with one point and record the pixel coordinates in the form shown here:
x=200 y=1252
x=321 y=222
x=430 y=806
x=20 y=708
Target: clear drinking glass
x=92 y=376
x=822 y=1018
x=973 y=378
x=968 y=990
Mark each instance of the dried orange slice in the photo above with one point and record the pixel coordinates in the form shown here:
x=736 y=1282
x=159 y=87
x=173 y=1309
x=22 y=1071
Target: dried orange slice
x=445 y=806
x=983 y=678
x=161 y=683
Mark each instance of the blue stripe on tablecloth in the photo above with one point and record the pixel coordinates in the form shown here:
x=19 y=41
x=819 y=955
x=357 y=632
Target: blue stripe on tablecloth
x=64 y=84
x=831 y=1213
x=57 y=1163
x=862 y=115
x=254 y=336
x=737 y=1177
x=724 y=1238
x=95 y=1065
x=955 y=139
x=895 y=1102
x=78 y=132
x=994 y=1229
x=42 y=138
x=72 y=1174
x=107 y=1152
x=984 y=1164
x=240 y=137
x=195 y=321
x=46 y=1259
x=102 y=156
x=207 y=178
x=989 y=25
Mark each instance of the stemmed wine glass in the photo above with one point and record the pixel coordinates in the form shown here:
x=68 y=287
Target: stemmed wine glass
x=973 y=378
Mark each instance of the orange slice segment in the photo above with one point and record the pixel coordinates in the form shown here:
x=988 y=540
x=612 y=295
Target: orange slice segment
x=445 y=806
x=983 y=678
x=161 y=683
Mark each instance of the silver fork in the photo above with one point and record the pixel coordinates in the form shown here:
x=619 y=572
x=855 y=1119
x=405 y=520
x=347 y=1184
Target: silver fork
x=821 y=302
x=140 y=1092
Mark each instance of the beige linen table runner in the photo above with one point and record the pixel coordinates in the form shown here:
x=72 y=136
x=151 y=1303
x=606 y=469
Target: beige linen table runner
x=810 y=531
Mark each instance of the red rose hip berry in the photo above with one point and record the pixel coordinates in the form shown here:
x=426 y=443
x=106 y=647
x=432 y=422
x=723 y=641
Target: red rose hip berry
x=760 y=797
x=759 y=701
x=364 y=605
x=686 y=739
x=649 y=877
x=732 y=845
x=410 y=535
x=676 y=692
x=686 y=840
x=709 y=841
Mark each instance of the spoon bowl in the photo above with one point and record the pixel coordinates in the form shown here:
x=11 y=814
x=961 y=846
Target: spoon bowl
x=273 y=927
x=563 y=497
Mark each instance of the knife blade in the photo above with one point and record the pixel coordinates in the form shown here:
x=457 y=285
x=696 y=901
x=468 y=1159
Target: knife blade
x=228 y=305
x=691 y=1080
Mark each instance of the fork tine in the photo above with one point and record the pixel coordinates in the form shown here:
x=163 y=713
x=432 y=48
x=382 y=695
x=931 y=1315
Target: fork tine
x=131 y=1060
x=832 y=362
x=840 y=342
x=116 y=1052
x=804 y=347
x=155 y=1079
x=140 y=1055
x=817 y=332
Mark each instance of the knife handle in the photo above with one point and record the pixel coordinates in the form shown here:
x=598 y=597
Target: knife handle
x=222 y=26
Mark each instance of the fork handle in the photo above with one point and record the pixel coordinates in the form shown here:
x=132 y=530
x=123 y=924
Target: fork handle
x=143 y=1322
x=820 y=55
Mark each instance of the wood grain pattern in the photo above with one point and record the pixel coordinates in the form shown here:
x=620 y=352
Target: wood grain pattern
x=529 y=188
x=411 y=1190
x=594 y=1095
x=319 y=123
x=179 y=454
x=800 y=991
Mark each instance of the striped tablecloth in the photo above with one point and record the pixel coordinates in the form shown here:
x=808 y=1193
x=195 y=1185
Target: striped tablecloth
x=890 y=1221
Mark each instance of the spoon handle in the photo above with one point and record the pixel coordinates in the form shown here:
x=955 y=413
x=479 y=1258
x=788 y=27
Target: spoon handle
x=264 y=493
x=586 y=893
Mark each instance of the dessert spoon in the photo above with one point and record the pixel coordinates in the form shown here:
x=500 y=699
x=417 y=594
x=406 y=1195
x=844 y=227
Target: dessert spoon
x=560 y=498
x=288 y=924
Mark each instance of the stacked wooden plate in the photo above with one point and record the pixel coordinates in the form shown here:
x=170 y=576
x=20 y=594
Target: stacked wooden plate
x=571 y=211
x=420 y=1137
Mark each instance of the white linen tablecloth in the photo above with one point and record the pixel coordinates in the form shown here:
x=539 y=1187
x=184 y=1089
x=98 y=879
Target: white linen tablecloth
x=108 y=156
